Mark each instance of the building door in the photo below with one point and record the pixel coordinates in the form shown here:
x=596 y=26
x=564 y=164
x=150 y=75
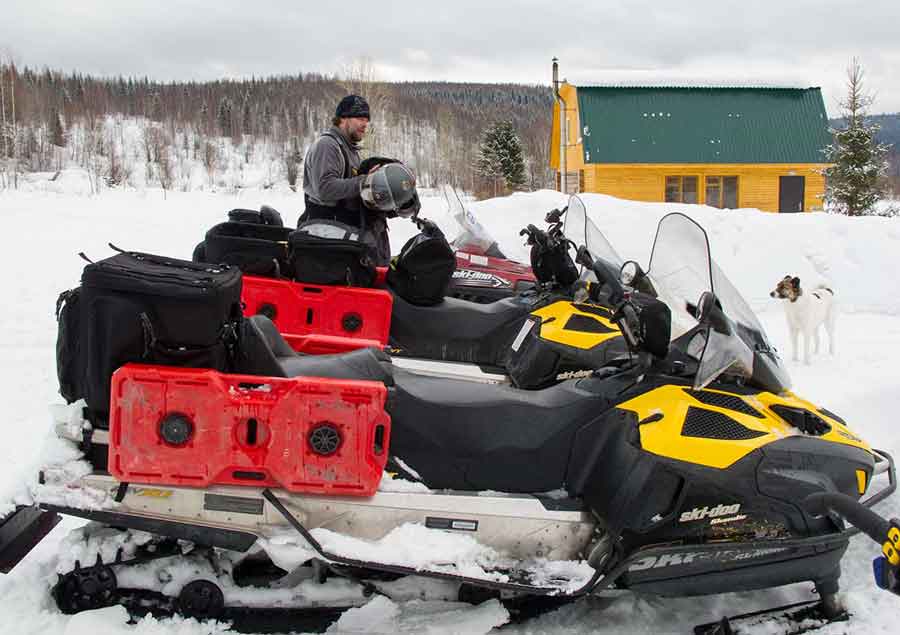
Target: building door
x=790 y=193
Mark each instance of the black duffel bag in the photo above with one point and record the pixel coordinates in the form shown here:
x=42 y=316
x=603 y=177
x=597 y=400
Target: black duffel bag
x=265 y=216
x=257 y=250
x=328 y=252
x=137 y=307
x=422 y=271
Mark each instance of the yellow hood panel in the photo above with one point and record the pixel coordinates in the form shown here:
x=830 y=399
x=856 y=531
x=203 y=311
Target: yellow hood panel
x=668 y=407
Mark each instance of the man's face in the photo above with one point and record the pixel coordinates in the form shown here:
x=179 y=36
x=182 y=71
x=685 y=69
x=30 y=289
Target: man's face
x=355 y=127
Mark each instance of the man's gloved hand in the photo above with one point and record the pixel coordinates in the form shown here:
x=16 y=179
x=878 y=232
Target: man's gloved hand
x=372 y=163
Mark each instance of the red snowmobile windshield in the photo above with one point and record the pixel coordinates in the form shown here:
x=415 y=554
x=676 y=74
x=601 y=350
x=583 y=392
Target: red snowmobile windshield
x=473 y=238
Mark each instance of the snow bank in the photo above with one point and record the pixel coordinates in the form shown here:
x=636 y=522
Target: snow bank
x=854 y=256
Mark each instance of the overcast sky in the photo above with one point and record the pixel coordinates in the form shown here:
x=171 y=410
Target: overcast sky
x=794 y=41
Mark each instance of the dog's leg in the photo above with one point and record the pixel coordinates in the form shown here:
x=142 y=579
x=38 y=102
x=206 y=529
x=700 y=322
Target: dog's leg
x=807 y=337
x=816 y=336
x=830 y=319
x=795 y=348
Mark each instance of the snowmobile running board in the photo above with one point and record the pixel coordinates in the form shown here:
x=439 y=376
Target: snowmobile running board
x=401 y=570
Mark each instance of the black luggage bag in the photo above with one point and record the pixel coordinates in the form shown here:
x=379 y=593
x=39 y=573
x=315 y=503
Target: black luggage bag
x=137 y=307
x=327 y=252
x=422 y=271
x=258 y=250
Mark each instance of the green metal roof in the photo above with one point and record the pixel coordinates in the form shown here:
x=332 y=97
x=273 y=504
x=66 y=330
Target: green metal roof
x=702 y=125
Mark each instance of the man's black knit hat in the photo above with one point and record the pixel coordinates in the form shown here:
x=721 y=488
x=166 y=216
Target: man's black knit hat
x=352 y=106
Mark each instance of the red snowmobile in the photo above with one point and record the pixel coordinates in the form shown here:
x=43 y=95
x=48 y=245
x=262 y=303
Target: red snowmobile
x=483 y=272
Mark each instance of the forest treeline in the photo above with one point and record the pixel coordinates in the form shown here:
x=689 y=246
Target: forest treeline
x=434 y=126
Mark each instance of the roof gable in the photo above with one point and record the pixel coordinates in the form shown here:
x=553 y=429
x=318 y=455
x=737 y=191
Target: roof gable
x=702 y=125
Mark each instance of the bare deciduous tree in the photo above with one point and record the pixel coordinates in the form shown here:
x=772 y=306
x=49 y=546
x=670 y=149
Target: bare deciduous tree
x=360 y=77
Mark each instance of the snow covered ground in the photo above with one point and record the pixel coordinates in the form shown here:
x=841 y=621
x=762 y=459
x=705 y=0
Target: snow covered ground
x=857 y=257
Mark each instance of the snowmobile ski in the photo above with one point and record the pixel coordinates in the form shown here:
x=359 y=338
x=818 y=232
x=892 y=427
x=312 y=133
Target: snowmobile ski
x=20 y=531
x=797 y=618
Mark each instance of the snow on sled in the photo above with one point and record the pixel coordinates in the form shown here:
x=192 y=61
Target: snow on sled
x=306 y=482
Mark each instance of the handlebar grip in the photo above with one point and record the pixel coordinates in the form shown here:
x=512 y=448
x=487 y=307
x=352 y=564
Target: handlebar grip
x=856 y=514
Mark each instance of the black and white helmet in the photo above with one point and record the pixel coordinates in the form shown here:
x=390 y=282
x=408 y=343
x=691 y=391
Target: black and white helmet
x=391 y=188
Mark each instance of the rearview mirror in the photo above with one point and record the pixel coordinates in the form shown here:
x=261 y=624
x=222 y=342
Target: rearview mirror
x=554 y=215
x=630 y=273
x=709 y=311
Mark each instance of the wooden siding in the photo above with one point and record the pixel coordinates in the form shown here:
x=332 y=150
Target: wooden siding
x=757 y=183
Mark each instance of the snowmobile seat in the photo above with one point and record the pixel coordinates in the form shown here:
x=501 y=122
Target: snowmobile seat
x=464 y=435
x=265 y=352
x=457 y=330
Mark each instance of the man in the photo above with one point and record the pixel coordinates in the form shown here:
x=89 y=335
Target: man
x=332 y=177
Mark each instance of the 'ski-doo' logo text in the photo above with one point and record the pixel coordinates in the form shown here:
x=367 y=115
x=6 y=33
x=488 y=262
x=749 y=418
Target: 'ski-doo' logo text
x=702 y=513
x=470 y=277
x=574 y=374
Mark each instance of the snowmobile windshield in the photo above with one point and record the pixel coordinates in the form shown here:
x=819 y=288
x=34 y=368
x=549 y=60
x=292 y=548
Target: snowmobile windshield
x=472 y=238
x=711 y=321
x=581 y=230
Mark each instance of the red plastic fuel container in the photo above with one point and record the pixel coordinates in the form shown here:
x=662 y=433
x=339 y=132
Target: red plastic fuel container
x=318 y=319
x=196 y=427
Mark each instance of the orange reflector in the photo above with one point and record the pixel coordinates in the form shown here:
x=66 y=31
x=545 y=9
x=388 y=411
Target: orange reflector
x=861 y=481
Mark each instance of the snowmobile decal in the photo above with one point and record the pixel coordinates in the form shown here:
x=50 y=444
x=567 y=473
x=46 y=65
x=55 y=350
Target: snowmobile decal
x=451 y=523
x=585 y=332
x=681 y=559
x=470 y=277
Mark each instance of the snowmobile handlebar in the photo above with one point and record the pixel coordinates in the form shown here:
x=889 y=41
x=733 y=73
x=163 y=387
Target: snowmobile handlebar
x=883 y=531
x=853 y=511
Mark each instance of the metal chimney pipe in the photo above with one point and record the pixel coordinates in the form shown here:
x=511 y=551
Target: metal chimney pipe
x=562 y=128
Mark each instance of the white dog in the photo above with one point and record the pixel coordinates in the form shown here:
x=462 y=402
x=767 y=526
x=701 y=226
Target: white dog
x=806 y=312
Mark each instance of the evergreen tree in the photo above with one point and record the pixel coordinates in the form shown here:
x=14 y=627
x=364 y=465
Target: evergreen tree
x=500 y=155
x=58 y=132
x=247 y=118
x=854 y=184
x=223 y=117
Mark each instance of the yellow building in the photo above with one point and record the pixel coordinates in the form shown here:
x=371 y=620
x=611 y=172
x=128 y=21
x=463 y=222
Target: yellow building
x=727 y=147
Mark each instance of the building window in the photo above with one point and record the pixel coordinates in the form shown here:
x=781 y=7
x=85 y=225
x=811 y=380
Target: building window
x=681 y=189
x=722 y=191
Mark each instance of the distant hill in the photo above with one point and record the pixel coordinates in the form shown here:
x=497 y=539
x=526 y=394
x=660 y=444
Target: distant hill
x=890 y=127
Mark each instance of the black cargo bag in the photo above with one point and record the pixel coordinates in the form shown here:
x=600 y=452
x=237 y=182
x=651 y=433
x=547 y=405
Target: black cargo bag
x=423 y=270
x=257 y=250
x=70 y=363
x=150 y=309
x=265 y=216
x=328 y=252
